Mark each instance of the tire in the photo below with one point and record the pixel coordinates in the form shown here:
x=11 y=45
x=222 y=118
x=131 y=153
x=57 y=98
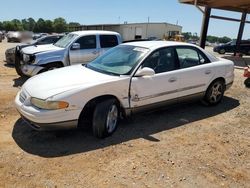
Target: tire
x=18 y=66
x=50 y=67
x=214 y=93
x=222 y=51
x=247 y=82
x=105 y=118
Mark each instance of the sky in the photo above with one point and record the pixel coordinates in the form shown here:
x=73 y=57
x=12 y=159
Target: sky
x=119 y=11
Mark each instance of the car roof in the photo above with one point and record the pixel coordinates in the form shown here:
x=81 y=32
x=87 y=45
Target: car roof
x=94 y=32
x=152 y=45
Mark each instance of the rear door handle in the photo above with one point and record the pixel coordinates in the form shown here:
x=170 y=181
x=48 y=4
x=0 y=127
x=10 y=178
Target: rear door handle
x=208 y=72
x=171 y=80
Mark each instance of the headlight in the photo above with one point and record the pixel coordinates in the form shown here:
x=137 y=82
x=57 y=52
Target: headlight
x=26 y=57
x=49 y=105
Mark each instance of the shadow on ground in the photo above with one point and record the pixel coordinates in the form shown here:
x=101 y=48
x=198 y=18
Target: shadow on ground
x=56 y=144
x=19 y=81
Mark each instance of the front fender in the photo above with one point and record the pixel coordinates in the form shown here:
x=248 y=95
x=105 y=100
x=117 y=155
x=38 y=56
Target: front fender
x=49 y=59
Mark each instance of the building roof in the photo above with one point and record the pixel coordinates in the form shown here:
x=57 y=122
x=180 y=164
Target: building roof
x=232 y=5
x=90 y=32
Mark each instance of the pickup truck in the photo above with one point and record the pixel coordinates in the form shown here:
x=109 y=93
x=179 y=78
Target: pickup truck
x=75 y=48
x=230 y=47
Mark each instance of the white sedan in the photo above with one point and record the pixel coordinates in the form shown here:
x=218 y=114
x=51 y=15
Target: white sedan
x=129 y=78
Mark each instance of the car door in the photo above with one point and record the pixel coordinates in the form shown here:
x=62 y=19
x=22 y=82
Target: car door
x=88 y=50
x=196 y=71
x=162 y=86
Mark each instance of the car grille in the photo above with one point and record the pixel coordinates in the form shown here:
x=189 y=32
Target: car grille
x=22 y=97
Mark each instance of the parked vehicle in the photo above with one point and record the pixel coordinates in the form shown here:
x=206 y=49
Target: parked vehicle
x=230 y=47
x=15 y=51
x=1 y=36
x=129 y=78
x=247 y=75
x=14 y=36
x=74 y=48
x=36 y=36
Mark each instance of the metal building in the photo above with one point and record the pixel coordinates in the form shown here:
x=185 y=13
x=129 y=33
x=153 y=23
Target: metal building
x=131 y=31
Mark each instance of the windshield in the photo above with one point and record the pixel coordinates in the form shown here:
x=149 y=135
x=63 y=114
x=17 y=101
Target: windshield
x=119 y=60
x=66 y=40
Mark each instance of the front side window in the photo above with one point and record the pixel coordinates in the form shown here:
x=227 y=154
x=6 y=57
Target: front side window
x=87 y=42
x=66 y=40
x=189 y=57
x=108 y=41
x=162 y=60
x=119 y=60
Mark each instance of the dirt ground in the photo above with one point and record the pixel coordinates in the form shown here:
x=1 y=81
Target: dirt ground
x=187 y=145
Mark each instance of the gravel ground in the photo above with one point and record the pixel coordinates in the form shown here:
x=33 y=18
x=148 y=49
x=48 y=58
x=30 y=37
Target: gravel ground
x=187 y=145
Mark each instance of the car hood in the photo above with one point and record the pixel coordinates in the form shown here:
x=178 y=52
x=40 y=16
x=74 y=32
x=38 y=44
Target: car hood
x=40 y=48
x=57 y=81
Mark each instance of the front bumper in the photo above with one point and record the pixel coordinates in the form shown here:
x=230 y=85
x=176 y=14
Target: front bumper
x=46 y=119
x=30 y=70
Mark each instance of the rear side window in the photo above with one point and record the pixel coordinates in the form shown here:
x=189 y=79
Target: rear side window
x=108 y=41
x=87 y=42
x=189 y=57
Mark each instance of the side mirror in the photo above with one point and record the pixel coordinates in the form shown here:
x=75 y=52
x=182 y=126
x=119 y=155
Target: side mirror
x=75 y=46
x=146 y=71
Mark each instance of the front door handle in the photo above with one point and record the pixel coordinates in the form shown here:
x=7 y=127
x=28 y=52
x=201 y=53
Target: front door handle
x=173 y=79
x=208 y=72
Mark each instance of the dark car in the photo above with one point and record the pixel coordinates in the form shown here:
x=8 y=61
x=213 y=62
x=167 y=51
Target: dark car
x=11 y=53
x=230 y=47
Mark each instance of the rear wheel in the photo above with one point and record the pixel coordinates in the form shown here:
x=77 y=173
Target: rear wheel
x=222 y=51
x=105 y=118
x=215 y=93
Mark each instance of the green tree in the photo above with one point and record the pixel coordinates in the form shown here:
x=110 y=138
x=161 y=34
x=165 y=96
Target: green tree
x=40 y=25
x=1 y=26
x=60 y=25
x=17 y=25
x=224 y=39
x=25 y=24
x=31 y=23
x=48 y=26
x=8 y=26
x=72 y=26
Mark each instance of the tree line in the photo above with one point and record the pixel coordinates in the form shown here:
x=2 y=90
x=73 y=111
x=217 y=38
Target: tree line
x=211 y=39
x=58 y=25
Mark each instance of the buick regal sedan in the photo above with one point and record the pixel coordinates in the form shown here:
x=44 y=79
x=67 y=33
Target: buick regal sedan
x=129 y=78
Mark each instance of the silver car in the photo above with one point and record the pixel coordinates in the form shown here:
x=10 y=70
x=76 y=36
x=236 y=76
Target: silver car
x=74 y=48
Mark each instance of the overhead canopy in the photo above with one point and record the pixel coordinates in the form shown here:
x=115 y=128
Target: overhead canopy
x=232 y=5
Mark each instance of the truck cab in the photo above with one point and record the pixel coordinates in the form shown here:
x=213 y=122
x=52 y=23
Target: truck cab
x=75 y=48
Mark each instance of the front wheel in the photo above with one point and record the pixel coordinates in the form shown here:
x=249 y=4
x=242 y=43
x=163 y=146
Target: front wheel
x=247 y=82
x=105 y=118
x=18 y=66
x=215 y=93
